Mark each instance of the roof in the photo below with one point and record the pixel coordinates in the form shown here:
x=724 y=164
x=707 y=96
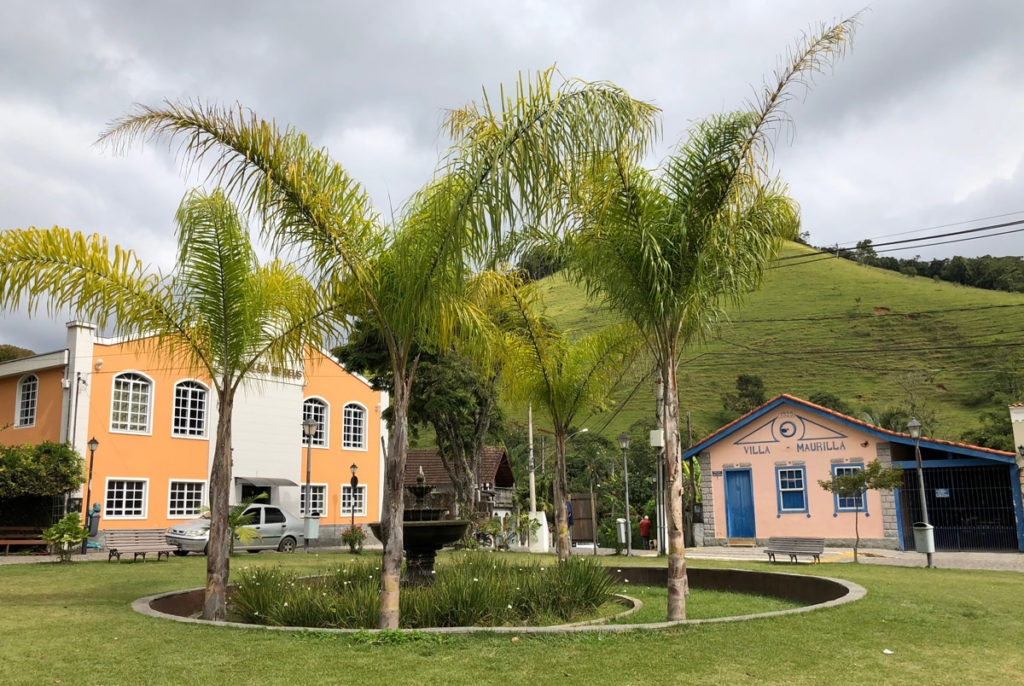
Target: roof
x=494 y=467
x=877 y=431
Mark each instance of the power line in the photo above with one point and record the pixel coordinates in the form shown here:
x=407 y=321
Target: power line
x=944 y=226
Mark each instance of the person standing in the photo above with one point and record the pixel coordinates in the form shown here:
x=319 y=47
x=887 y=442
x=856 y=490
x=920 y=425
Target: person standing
x=645 y=532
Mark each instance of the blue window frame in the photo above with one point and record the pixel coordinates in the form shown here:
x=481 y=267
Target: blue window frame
x=791 y=488
x=854 y=503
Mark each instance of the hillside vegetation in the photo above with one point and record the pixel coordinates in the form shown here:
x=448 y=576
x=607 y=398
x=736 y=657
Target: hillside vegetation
x=873 y=337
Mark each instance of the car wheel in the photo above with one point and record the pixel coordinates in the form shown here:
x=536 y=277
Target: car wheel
x=287 y=545
x=180 y=553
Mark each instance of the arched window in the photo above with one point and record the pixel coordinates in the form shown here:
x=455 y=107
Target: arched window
x=190 y=402
x=354 y=427
x=316 y=409
x=28 y=393
x=130 y=405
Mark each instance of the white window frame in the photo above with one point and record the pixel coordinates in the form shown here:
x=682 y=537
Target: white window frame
x=148 y=431
x=170 y=493
x=346 y=489
x=145 y=498
x=19 y=406
x=324 y=430
x=345 y=443
x=323 y=495
x=194 y=385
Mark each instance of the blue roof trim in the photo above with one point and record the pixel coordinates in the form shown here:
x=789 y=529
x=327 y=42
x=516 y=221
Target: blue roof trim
x=864 y=428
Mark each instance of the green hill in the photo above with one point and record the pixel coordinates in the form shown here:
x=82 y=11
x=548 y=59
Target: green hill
x=870 y=336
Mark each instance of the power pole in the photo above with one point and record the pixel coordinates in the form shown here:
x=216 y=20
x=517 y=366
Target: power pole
x=533 y=480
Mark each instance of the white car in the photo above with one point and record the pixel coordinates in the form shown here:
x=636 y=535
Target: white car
x=278 y=529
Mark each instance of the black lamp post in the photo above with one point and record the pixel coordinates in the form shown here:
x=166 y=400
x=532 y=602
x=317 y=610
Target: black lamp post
x=93 y=444
x=355 y=485
x=914 y=428
x=309 y=427
x=624 y=444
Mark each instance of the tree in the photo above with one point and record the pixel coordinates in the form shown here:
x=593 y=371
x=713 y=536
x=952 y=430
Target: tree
x=831 y=401
x=13 y=352
x=46 y=469
x=509 y=166
x=749 y=394
x=564 y=377
x=219 y=311
x=670 y=252
x=855 y=484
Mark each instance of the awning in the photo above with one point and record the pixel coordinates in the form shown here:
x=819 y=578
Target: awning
x=263 y=481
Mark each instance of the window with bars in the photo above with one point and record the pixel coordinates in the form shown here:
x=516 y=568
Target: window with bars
x=354 y=427
x=316 y=409
x=126 y=498
x=346 y=500
x=190 y=409
x=28 y=393
x=129 y=408
x=318 y=493
x=792 y=489
x=186 y=499
x=852 y=503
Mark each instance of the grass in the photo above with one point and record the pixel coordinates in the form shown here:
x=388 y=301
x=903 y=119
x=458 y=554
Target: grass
x=841 y=306
x=701 y=604
x=72 y=624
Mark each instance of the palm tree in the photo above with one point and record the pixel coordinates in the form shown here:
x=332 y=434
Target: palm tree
x=565 y=377
x=670 y=251
x=219 y=311
x=510 y=166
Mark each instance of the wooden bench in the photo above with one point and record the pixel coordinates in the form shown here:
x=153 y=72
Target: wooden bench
x=794 y=547
x=137 y=542
x=20 y=535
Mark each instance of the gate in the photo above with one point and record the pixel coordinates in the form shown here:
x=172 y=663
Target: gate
x=971 y=508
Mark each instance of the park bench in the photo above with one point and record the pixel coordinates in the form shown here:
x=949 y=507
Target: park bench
x=794 y=546
x=137 y=542
x=20 y=535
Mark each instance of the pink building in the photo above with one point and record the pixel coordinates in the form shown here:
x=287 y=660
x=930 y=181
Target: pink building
x=759 y=478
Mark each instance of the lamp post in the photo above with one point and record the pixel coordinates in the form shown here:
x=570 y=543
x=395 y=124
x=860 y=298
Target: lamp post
x=914 y=428
x=93 y=445
x=352 y=503
x=624 y=444
x=309 y=427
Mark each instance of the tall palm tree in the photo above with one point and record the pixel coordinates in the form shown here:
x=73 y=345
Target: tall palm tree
x=563 y=376
x=670 y=251
x=509 y=167
x=219 y=311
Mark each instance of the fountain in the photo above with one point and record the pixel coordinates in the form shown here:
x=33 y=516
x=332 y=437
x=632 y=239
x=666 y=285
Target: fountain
x=424 y=533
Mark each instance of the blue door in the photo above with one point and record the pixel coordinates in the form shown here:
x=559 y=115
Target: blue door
x=739 y=504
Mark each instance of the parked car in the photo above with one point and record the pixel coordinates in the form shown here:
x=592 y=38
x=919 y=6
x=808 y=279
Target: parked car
x=277 y=529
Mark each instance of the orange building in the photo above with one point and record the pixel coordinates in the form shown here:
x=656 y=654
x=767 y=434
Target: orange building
x=154 y=419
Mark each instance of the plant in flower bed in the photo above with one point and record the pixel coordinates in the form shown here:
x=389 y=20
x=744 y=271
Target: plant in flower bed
x=472 y=589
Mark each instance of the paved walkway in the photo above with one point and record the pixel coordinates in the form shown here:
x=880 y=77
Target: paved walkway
x=1008 y=561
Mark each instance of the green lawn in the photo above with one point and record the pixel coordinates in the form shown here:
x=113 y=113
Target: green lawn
x=73 y=624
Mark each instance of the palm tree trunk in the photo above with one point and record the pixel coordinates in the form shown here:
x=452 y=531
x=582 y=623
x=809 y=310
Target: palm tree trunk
x=561 y=496
x=218 y=559
x=394 y=506
x=678 y=586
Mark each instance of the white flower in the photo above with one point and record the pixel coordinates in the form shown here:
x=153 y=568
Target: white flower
x=510 y=607
x=286 y=604
x=475 y=579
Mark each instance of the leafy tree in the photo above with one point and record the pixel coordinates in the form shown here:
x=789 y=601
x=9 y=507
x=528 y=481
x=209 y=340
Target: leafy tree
x=831 y=401
x=219 y=311
x=512 y=162
x=41 y=470
x=13 y=352
x=671 y=251
x=855 y=484
x=749 y=394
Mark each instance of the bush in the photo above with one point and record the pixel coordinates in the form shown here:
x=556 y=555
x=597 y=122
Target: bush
x=474 y=589
x=44 y=469
x=66 y=535
x=354 y=537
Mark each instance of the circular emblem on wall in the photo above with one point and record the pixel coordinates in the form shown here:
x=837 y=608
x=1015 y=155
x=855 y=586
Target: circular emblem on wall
x=787 y=429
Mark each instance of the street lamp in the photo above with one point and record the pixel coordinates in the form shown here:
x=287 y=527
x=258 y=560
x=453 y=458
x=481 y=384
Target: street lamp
x=624 y=444
x=352 y=502
x=93 y=445
x=914 y=428
x=309 y=427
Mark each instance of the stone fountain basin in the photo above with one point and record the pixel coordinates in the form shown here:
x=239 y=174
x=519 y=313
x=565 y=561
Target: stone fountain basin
x=428 y=535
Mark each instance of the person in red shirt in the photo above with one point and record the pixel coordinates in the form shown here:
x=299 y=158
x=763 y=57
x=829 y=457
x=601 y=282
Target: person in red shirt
x=645 y=532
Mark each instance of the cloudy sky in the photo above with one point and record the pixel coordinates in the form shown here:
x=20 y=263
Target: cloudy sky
x=919 y=126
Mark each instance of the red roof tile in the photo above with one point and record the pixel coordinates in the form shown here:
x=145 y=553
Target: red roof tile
x=494 y=467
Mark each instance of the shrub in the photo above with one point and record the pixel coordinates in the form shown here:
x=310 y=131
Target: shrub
x=354 y=537
x=66 y=535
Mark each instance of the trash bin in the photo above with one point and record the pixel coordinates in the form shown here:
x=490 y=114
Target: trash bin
x=924 y=537
x=620 y=527
x=311 y=527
